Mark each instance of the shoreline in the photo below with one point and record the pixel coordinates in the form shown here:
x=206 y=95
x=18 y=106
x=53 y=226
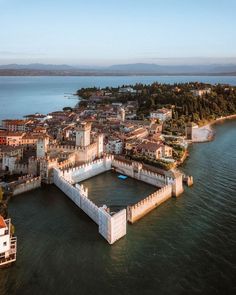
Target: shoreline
x=206 y=133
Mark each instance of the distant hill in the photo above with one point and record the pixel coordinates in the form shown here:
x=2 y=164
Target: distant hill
x=173 y=69
x=38 y=69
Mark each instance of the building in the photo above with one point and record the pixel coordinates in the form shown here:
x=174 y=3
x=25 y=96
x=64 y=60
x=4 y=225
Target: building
x=201 y=92
x=114 y=146
x=11 y=151
x=161 y=114
x=125 y=90
x=137 y=133
x=14 y=125
x=3 y=137
x=155 y=150
x=155 y=129
x=7 y=243
x=14 y=138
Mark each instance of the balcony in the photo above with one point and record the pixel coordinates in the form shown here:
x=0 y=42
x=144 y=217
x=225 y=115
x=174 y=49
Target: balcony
x=9 y=256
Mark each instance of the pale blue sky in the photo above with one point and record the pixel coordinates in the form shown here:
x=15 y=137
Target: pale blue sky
x=117 y=31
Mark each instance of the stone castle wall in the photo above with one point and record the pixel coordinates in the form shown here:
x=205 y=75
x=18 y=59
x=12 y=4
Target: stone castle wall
x=112 y=227
x=25 y=184
x=88 y=170
x=140 y=209
x=140 y=174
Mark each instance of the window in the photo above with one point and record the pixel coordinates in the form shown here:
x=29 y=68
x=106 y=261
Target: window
x=5 y=243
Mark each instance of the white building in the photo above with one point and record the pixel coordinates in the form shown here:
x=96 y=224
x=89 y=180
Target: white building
x=161 y=114
x=114 y=146
x=127 y=90
x=7 y=243
x=201 y=92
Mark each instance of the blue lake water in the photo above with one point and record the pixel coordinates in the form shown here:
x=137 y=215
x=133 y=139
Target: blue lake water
x=23 y=95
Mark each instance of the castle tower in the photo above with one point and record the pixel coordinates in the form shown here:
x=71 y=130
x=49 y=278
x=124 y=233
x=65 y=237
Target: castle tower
x=100 y=145
x=42 y=147
x=83 y=131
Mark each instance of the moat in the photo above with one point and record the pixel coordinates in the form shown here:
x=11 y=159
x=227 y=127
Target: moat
x=185 y=246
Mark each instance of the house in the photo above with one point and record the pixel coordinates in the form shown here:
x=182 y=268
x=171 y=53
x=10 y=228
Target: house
x=11 y=151
x=155 y=129
x=7 y=243
x=14 y=138
x=154 y=150
x=137 y=133
x=14 y=125
x=201 y=92
x=3 y=137
x=161 y=114
x=114 y=146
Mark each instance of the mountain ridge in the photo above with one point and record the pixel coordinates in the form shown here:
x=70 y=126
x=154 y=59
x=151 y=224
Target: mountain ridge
x=122 y=69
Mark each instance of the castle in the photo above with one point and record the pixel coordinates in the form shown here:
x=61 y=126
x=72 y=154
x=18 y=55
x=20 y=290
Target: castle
x=53 y=155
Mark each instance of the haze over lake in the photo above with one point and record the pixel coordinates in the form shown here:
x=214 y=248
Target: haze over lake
x=24 y=95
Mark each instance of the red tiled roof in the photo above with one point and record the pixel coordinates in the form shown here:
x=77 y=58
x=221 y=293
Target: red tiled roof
x=2 y=222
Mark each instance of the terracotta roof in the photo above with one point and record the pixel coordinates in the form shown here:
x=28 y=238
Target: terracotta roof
x=19 y=134
x=2 y=222
x=150 y=146
x=14 y=122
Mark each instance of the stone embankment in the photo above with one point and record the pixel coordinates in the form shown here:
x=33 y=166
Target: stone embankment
x=24 y=184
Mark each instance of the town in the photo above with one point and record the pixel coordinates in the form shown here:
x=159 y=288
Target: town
x=138 y=131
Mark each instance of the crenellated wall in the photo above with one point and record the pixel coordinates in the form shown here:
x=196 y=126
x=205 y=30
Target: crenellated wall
x=140 y=209
x=88 y=170
x=82 y=154
x=111 y=227
x=25 y=184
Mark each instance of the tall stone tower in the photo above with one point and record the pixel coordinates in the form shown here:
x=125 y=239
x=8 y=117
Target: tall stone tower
x=83 y=131
x=42 y=147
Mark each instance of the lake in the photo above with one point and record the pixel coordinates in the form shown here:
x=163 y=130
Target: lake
x=24 y=95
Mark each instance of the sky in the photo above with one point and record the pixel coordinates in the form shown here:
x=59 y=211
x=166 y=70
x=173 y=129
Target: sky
x=106 y=32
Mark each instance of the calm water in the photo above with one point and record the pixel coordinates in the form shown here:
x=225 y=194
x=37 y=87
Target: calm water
x=117 y=193
x=186 y=246
x=24 y=95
